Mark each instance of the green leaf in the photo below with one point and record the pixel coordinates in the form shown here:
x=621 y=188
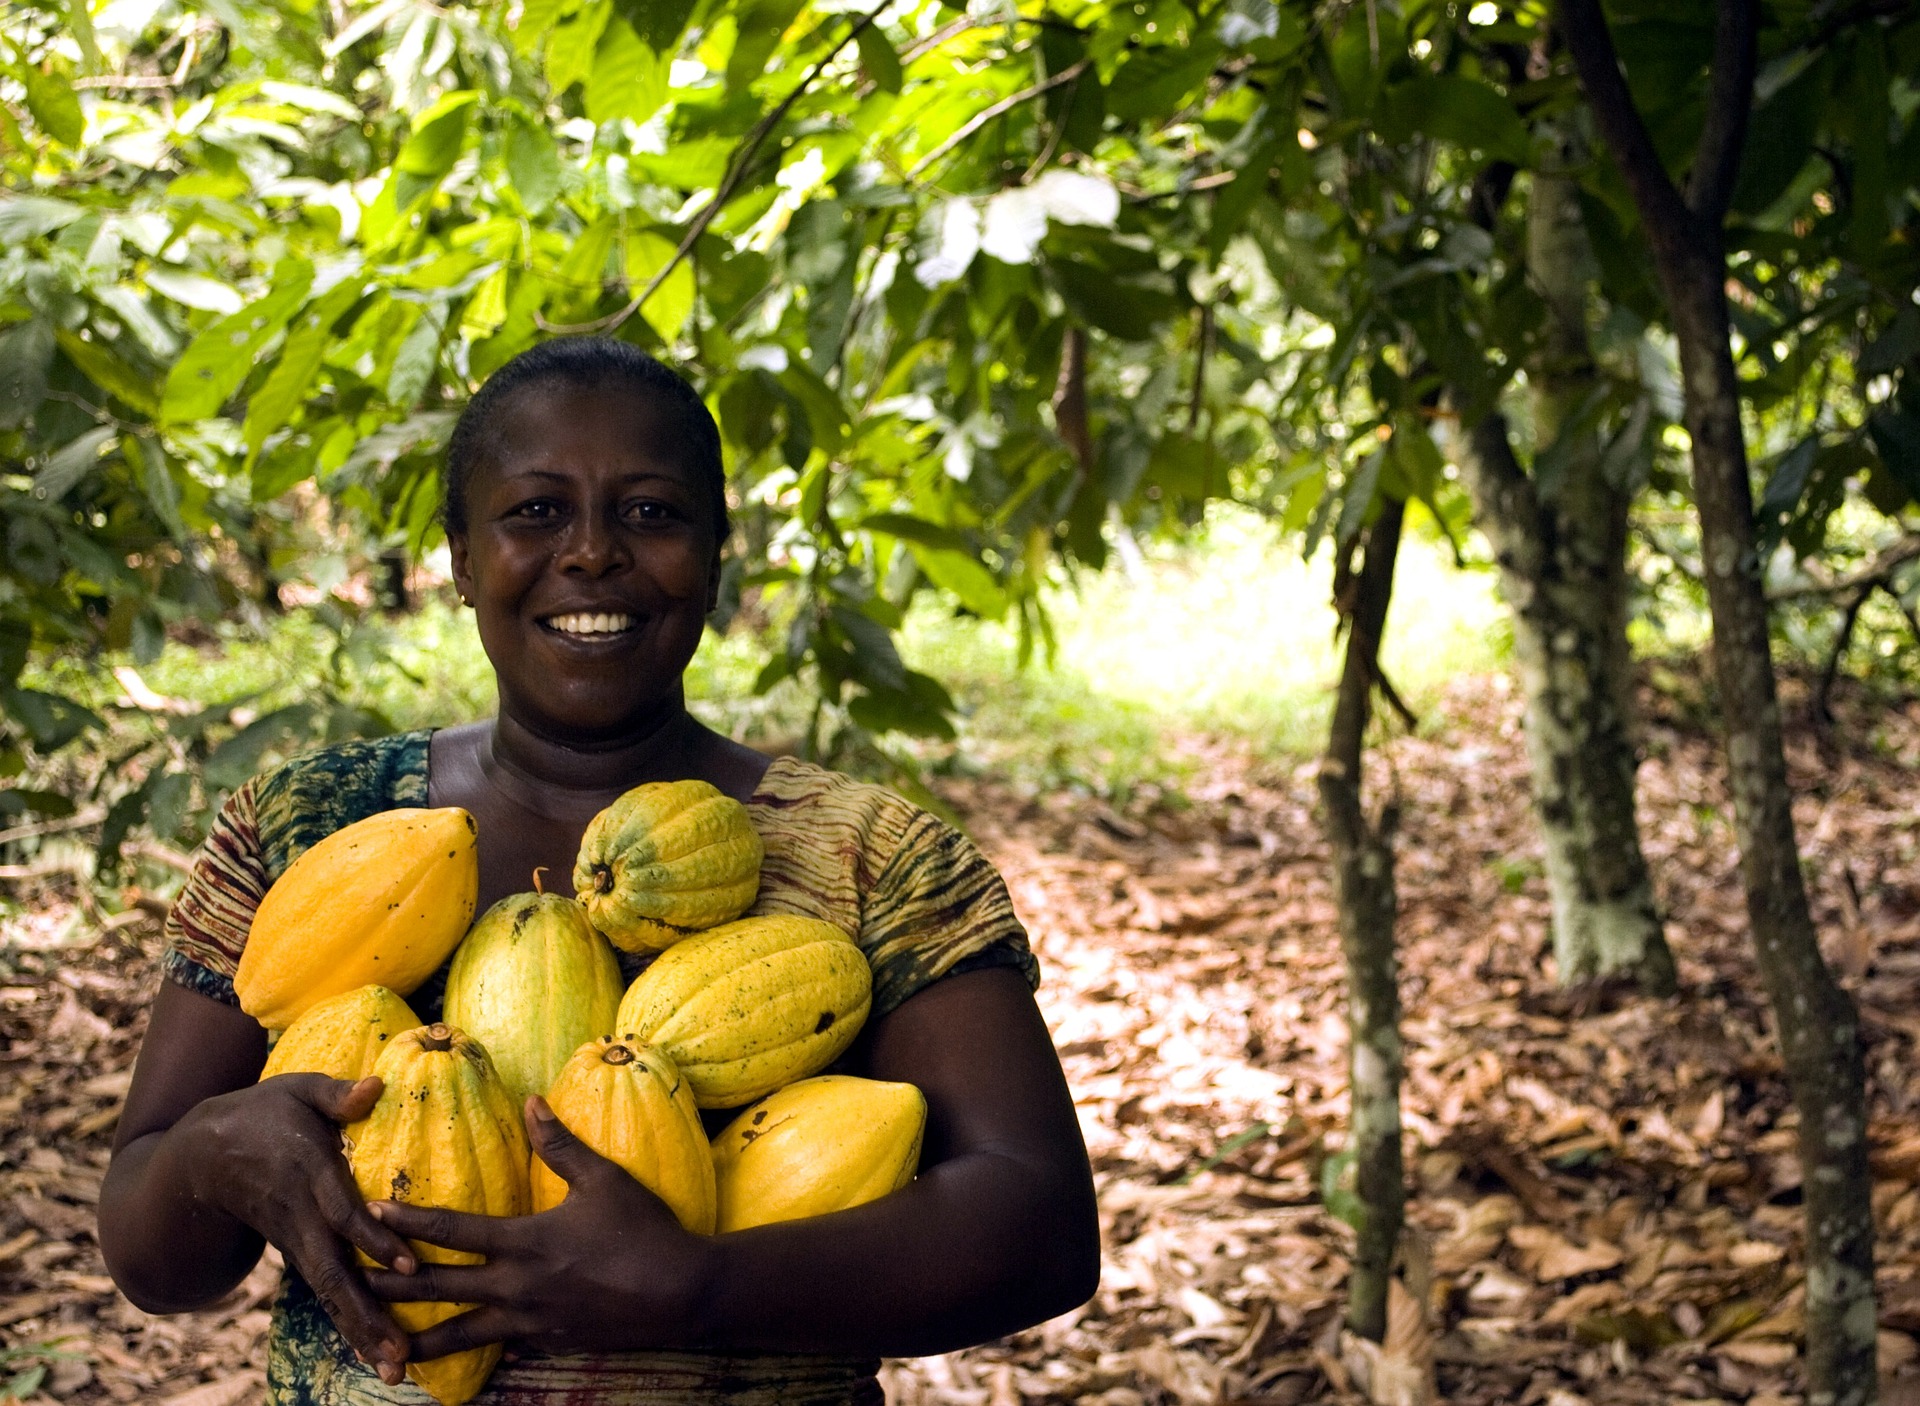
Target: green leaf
x=24 y=217
x=533 y=163
x=912 y=529
x=51 y=719
x=1784 y=488
x=537 y=18
x=26 y=356
x=217 y=362
x=627 y=79
x=286 y=386
x=438 y=135
x=70 y=463
x=54 y=105
x=657 y=22
x=1156 y=83
x=1452 y=108
x=413 y=364
x=570 y=52
x=110 y=373
x=964 y=575
x=1896 y=434
x=880 y=61
x=671 y=305
x=1128 y=311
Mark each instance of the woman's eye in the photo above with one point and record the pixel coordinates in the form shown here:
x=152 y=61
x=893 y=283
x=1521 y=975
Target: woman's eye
x=538 y=510
x=650 y=511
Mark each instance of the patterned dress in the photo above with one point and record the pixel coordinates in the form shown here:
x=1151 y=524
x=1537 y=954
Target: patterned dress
x=920 y=900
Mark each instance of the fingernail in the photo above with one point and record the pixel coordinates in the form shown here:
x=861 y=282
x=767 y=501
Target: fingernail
x=542 y=1111
x=405 y=1264
x=391 y=1374
x=377 y=1209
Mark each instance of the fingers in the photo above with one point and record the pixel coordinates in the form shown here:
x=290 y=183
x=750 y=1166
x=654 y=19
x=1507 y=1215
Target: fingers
x=361 y=1318
x=475 y=1328
x=570 y=1158
x=339 y=1201
x=451 y=1230
x=439 y=1283
x=338 y=1099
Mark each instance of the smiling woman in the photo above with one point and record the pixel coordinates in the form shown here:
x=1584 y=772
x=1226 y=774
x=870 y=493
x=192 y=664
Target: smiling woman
x=586 y=511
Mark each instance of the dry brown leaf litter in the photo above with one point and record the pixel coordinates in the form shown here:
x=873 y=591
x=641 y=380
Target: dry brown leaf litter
x=1605 y=1192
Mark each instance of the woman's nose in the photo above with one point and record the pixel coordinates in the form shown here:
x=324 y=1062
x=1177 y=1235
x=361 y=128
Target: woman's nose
x=593 y=546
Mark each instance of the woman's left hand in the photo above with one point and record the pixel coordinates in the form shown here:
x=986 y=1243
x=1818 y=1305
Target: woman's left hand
x=608 y=1270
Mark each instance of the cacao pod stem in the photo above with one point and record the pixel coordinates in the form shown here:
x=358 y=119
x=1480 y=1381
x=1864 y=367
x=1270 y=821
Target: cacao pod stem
x=438 y=1037
x=602 y=878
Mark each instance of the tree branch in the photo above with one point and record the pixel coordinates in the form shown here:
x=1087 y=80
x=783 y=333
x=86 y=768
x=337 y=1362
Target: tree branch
x=1716 y=161
x=729 y=185
x=1878 y=572
x=987 y=114
x=1668 y=221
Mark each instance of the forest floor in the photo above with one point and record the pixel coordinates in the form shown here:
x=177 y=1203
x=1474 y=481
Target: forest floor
x=1604 y=1192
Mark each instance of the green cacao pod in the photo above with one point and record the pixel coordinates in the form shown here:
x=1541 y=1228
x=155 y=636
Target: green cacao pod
x=533 y=982
x=666 y=859
x=751 y=1006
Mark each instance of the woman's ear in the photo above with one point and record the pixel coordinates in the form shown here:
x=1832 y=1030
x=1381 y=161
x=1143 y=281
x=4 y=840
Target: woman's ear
x=462 y=566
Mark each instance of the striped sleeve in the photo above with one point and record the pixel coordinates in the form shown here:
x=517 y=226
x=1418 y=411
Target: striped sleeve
x=207 y=929
x=938 y=904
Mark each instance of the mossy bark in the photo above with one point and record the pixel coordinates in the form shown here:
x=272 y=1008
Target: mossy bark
x=1560 y=536
x=1818 y=1023
x=1365 y=896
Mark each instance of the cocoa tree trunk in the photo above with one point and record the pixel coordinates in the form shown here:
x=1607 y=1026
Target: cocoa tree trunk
x=1364 y=893
x=1560 y=537
x=1819 y=1028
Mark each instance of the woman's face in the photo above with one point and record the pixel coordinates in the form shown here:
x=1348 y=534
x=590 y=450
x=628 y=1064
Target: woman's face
x=589 y=558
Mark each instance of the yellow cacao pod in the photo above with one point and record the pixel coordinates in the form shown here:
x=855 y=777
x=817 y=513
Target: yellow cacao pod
x=383 y=900
x=818 y=1146
x=343 y=1036
x=532 y=982
x=445 y=1134
x=751 y=1006
x=627 y=1102
x=666 y=859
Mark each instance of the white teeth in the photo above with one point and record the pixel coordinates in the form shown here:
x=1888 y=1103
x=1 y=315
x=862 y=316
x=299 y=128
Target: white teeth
x=584 y=624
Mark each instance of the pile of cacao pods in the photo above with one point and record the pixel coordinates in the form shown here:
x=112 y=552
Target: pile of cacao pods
x=731 y=1011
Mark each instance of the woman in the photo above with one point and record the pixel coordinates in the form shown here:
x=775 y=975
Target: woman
x=586 y=513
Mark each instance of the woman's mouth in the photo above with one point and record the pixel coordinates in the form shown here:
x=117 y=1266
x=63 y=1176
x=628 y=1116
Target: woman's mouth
x=584 y=625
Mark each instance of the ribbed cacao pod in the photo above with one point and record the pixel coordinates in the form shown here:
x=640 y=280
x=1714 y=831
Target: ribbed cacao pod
x=815 y=1147
x=446 y=1134
x=666 y=859
x=532 y=982
x=383 y=901
x=627 y=1102
x=751 y=1006
x=343 y=1037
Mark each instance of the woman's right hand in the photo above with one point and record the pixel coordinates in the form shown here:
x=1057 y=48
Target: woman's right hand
x=269 y=1156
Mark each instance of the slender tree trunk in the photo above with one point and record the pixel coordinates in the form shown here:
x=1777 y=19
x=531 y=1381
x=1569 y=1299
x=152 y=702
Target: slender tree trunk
x=1819 y=1028
x=1560 y=538
x=1364 y=892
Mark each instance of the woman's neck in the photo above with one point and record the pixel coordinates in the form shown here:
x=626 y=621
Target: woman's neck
x=555 y=778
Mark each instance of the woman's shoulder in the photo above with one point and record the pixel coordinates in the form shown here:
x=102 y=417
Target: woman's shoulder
x=309 y=796
x=804 y=795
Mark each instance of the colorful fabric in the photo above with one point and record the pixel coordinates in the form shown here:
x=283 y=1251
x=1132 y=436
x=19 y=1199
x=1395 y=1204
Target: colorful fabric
x=917 y=896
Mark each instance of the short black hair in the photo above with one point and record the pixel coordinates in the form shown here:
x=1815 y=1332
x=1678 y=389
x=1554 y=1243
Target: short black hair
x=582 y=361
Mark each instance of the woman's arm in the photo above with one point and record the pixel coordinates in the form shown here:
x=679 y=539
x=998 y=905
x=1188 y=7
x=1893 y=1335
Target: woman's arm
x=999 y=1231
x=209 y=1165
